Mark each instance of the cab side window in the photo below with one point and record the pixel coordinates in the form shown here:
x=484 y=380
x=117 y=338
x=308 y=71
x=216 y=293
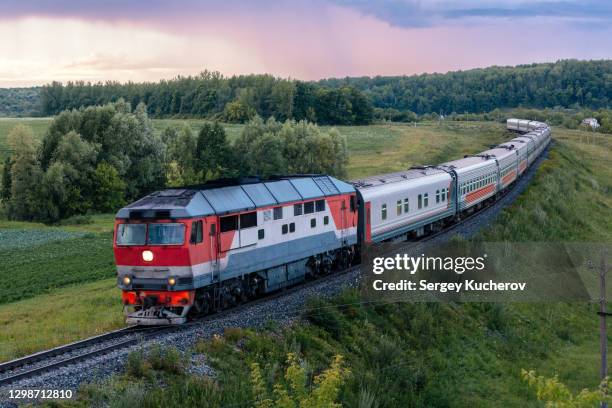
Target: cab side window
x=197 y=234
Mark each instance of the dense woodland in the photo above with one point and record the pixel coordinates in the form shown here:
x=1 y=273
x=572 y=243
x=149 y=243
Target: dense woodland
x=97 y=158
x=234 y=99
x=565 y=83
x=18 y=102
x=337 y=101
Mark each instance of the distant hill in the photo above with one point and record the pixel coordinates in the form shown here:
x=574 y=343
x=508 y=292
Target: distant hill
x=17 y=102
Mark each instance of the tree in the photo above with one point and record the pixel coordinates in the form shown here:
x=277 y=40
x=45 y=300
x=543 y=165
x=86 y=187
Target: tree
x=109 y=189
x=270 y=147
x=5 y=180
x=182 y=155
x=25 y=174
x=214 y=154
x=90 y=159
x=237 y=112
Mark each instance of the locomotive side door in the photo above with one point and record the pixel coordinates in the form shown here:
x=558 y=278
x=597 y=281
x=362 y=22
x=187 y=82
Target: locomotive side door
x=214 y=248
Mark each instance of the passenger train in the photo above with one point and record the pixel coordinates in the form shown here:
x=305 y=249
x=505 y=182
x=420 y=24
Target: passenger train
x=189 y=251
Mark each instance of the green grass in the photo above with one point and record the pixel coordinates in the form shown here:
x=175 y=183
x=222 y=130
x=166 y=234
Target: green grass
x=38 y=259
x=60 y=317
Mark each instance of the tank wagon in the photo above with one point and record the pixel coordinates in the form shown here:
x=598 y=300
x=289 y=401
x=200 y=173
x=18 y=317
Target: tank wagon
x=197 y=249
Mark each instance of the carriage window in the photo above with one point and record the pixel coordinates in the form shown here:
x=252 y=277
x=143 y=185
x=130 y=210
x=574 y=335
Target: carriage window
x=229 y=223
x=353 y=203
x=213 y=229
x=248 y=220
x=437 y=196
x=285 y=229
x=426 y=200
x=131 y=234
x=383 y=211
x=292 y=227
x=261 y=234
x=420 y=201
x=297 y=209
x=320 y=204
x=406 y=205
x=197 y=234
x=399 y=207
x=313 y=223
x=325 y=220
x=278 y=213
x=309 y=207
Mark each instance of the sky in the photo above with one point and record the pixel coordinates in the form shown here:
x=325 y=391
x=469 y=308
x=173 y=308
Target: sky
x=149 y=40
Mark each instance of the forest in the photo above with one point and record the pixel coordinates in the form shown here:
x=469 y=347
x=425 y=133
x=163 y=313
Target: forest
x=19 y=102
x=234 y=99
x=350 y=101
x=565 y=83
x=336 y=101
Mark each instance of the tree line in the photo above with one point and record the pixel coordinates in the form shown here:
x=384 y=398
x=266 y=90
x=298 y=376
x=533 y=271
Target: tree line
x=350 y=101
x=564 y=83
x=235 y=99
x=98 y=158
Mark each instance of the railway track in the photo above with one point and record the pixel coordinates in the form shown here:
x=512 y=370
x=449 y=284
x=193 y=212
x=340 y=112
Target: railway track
x=45 y=361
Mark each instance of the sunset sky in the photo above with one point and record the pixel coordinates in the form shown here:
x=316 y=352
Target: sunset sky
x=138 y=40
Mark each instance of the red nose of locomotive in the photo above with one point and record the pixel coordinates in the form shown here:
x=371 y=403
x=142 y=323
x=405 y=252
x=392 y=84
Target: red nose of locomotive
x=154 y=269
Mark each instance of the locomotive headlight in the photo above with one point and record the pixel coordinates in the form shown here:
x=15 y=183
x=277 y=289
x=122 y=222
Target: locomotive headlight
x=127 y=280
x=171 y=281
x=147 y=256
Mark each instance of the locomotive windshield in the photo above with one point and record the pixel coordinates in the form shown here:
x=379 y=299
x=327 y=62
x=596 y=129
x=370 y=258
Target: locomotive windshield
x=131 y=234
x=151 y=234
x=166 y=234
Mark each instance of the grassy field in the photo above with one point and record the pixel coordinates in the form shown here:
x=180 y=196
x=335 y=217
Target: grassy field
x=454 y=355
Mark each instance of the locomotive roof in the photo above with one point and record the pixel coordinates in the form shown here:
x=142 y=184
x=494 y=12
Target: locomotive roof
x=386 y=179
x=227 y=196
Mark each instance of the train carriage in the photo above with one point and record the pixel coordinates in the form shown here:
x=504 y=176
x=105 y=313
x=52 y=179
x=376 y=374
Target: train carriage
x=507 y=162
x=524 y=147
x=477 y=179
x=393 y=205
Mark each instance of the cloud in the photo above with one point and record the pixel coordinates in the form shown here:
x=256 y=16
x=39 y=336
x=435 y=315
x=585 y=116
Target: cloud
x=414 y=14
x=188 y=14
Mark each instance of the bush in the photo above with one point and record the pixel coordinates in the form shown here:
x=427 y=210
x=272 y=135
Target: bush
x=167 y=359
x=77 y=220
x=136 y=366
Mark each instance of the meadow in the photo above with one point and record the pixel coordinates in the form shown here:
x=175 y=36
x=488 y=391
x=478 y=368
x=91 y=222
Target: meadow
x=56 y=274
